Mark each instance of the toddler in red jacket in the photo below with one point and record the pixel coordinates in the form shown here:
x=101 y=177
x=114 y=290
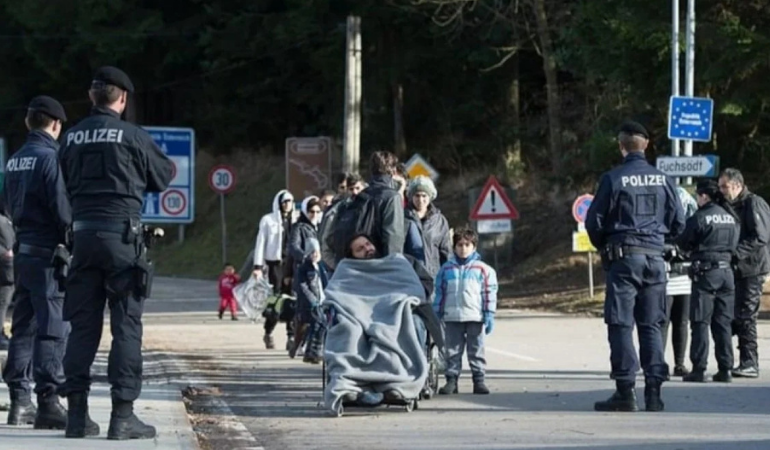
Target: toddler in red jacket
x=227 y=281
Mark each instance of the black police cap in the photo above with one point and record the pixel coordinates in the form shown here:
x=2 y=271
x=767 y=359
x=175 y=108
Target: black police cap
x=114 y=76
x=631 y=127
x=48 y=106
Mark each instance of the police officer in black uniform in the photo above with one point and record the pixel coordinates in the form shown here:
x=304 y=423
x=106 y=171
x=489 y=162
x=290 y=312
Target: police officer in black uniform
x=108 y=165
x=711 y=236
x=751 y=262
x=37 y=203
x=635 y=208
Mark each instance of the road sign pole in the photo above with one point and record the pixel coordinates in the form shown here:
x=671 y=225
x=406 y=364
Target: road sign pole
x=591 y=274
x=224 y=227
x=675 y=63
x=690 y=68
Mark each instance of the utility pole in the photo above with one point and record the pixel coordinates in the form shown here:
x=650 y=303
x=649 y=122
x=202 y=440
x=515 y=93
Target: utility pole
x=675 y=62
x=690 y=68
x=352 y=141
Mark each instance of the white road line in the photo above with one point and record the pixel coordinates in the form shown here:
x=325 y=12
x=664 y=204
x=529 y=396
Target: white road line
x=512 y=355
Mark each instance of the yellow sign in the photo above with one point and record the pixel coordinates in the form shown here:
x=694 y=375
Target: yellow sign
x=418 y=166
x=581 y=243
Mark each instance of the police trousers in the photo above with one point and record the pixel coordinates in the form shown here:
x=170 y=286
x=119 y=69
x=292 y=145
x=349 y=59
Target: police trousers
x=103 y=271
x=713 y=298
x=748 y=294
x=39 y=334
x=636 y=293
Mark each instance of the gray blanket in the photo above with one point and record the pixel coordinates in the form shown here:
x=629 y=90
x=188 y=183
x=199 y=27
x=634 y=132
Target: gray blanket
x=373 y=344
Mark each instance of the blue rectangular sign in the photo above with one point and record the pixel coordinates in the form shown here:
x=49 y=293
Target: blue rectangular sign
x=690 y=118
x=177 y=203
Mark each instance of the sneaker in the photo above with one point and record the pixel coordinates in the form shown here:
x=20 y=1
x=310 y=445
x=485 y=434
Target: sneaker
x=289 y=343
x=269 y=343
x=234 y=318
x=746 y=371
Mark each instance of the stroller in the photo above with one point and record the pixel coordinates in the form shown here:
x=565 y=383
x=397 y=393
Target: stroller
x=375 y=352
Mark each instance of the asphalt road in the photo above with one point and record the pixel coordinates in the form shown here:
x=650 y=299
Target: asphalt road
x=545 y=372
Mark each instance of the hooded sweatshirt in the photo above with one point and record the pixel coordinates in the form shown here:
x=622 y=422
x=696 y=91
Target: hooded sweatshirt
x=271 y=239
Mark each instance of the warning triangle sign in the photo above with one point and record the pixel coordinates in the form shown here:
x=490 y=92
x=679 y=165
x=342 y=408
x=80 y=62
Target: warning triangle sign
x=493 y=203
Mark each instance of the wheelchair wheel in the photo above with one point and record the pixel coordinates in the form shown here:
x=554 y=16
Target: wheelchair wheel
x=411 y=405
x=433 y=370
x=340 y=410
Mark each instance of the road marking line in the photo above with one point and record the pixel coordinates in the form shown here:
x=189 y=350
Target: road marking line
x=512 y=355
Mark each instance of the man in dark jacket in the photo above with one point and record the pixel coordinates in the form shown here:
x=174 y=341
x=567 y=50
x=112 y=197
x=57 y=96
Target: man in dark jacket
x=752 y=264
x=384 y=189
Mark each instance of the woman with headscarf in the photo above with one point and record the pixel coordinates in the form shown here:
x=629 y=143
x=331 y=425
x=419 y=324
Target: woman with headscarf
x=302 y=232
x=678 y=292
x=432 y=225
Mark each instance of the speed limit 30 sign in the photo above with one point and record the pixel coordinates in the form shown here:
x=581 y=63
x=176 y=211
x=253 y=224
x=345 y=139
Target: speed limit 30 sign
x=222 y=179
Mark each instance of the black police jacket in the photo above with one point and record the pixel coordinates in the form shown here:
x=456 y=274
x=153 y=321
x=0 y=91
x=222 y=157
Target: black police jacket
x=108 y=165
x=635 y=205
x=35 y=196
x=751 y=257
x=711 y=234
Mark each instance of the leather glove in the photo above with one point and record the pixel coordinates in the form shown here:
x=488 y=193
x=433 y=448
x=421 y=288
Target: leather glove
x=489 y=322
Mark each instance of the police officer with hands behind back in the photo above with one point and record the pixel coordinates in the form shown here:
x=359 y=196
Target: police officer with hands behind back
x=635 y=208
x=108 y=165
x=711 y=236
x=751 y=263
x=36 y=201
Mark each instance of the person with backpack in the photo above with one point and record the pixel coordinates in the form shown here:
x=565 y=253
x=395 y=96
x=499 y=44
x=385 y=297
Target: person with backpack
x=354 y=184
x=378 y=211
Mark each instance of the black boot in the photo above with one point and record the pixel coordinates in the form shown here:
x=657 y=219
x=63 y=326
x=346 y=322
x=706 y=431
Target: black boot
x=51 y=415
x=125 y=425
x=623 y=400
x=22 y=411
x=79 y=423
x=723 y=376
x=450 y=387
x=479 y=387
x=652 y=400
x=696 y=376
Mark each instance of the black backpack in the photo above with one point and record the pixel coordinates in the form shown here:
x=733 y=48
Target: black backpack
x=356 y=217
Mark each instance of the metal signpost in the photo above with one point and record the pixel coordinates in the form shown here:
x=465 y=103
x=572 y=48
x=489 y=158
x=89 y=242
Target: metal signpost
x=222 y=181
x=308 y=165
x=177 y=203
x=580 y=241
x=493 y=211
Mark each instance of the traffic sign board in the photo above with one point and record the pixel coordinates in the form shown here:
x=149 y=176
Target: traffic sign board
x=689 y=166
x=173 y=202
x=690 y=118
x=581 y=242
x=493 y=203
x=177 y=203
x=222 y=179
x=494 y=226
x=580 y=207
x=417 y=165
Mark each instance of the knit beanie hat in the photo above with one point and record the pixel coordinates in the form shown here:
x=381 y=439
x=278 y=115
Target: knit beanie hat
x=421 y=183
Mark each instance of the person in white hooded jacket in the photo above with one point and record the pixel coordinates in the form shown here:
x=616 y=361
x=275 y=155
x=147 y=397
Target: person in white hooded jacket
x=271 y=255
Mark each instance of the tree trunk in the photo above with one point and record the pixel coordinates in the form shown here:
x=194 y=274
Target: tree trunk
x=551 y=86
x=512 y=157
x=398 y=119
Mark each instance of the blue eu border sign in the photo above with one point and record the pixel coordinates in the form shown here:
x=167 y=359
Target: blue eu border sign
x=690 y=118
x=177 y=203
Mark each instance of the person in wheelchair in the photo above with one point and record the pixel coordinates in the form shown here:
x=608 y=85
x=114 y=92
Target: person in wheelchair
x=377 y=338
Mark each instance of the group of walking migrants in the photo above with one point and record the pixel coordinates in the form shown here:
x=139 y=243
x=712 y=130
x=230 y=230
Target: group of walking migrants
x=297 y=253
x=646 y=227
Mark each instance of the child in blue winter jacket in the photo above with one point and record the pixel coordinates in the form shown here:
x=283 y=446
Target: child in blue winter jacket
x=466 y=300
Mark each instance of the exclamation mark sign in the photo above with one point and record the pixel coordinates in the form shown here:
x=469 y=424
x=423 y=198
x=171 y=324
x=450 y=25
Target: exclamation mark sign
x=492 y=194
